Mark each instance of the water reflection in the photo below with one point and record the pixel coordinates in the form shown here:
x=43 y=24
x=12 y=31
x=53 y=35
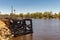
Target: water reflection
x=24 y=37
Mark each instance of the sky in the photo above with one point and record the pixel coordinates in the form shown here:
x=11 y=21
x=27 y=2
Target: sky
x=24 y=6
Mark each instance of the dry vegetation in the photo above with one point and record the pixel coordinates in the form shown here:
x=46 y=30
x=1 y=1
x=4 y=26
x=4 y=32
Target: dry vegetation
x=5 y=33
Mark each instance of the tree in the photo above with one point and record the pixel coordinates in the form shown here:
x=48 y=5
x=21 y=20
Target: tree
x=21 y=15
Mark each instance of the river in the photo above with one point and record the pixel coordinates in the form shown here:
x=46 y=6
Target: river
x=48 y=29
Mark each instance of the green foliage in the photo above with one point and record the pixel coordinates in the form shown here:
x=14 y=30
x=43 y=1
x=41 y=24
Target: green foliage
x=36 y=15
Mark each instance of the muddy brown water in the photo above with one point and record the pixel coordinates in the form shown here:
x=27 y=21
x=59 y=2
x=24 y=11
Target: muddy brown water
x=43 y=30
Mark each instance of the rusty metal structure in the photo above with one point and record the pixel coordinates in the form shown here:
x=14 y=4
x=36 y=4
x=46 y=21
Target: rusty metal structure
x=21 y=27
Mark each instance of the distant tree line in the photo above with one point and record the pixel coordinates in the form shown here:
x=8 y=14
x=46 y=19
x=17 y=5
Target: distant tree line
x=36 y=15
